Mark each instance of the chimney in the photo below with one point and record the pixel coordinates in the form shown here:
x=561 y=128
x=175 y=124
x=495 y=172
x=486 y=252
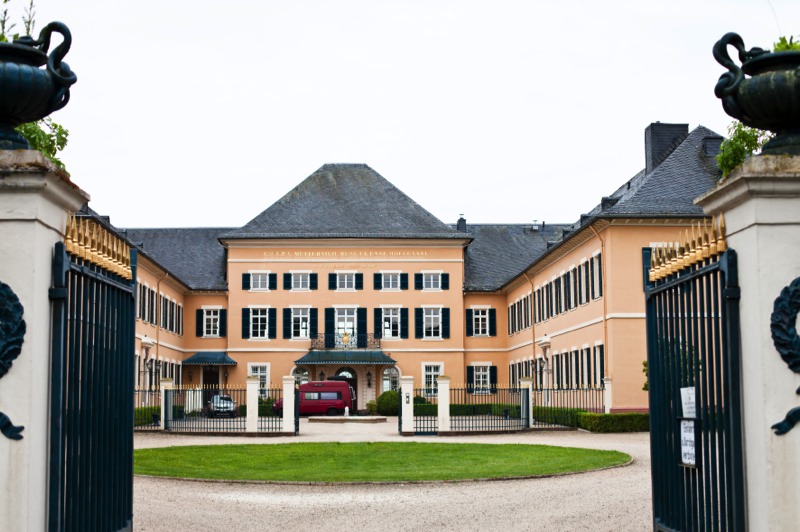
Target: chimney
x=461 y=224
x=660 y=140
x=606 y=202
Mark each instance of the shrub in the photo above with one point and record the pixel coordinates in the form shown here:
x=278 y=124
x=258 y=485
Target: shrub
x=419 y=400
x=426 y=410
x=741 y=143
x=372 y=408
x=630 y=422
x=387 y=403
x=143 y=415
x=567 y=417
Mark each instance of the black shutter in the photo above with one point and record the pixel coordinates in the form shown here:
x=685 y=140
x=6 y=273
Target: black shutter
x=377 y=281
x=377 y=315
x=445 y=323
x=199 y=322
x=418 y=323
x=445 y=281
x=417 y=281
x=272 y=323
x=245 y=323
x=470 y=379
x=330 y=326
x=287 y=281
x=361 y=327
x=313 y=282
x=359 y=281
x=492 y=322
x=403 y=281
x=223 y=323
x=600 y=274
x=591 y=277
x=273 y=281
x=403 y=323
x=313 y=322
x=245 y=281
x=287 y=323
x=331 y=282
x=492 y=379
x=469 y=323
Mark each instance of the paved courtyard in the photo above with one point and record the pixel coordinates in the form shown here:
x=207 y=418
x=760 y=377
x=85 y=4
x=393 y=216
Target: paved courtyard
x=614 y=499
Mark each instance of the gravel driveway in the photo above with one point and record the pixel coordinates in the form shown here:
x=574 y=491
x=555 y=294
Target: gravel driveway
x=614 y=499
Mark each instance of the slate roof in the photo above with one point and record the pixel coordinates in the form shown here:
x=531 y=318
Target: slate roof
x=193 y=255
x=345 y=201
x=670 y=189
x=499 y=252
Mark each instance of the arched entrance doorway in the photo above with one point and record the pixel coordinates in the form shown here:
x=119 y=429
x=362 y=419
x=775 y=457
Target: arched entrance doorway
x=348 y=375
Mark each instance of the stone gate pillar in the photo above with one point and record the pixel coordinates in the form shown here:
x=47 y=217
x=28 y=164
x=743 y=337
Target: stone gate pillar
x=761 y=205
x=35 y=198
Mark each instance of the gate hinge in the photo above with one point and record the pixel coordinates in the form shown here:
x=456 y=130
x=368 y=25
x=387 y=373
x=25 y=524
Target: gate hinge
x=57 y=293
x=732 y=292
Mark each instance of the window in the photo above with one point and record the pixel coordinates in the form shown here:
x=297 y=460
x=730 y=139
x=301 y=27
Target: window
x=259 y=281
x=211 y=322
x=596 y=267
x=391 y=323
x=431 y=281
x=300 y=281
x=300 y=323
x=300 y=375
x=346 y=321
x=259 y=322
x=391 y=379
x=346 y=281
x=391 y=281
x=480 y=322
x=432 y=323
x=432 y=372
x=481 y=381
x=262 y=372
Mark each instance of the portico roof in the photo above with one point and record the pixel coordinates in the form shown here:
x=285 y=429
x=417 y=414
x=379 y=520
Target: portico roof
x=322 y=358
x=209 y=358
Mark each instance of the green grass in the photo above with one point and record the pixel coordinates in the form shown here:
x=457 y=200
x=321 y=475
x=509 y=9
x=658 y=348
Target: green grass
x=368 y=462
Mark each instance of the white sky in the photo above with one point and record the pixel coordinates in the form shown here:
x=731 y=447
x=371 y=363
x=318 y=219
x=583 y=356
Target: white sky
x=198 y=113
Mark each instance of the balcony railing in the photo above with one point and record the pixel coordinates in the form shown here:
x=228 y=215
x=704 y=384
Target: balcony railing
x=345 y=341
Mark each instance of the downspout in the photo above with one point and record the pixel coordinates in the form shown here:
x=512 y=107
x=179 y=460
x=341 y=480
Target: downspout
x=605 y=295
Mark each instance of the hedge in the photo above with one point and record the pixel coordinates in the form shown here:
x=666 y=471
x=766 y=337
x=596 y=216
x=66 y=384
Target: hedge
x=630 y=422
x=143 y=415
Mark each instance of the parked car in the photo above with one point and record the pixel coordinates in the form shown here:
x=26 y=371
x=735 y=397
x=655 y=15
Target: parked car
x=222 y=405
x=322 y=397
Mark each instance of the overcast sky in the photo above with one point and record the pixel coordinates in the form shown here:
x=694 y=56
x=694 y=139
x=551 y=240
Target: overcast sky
x=200 y=113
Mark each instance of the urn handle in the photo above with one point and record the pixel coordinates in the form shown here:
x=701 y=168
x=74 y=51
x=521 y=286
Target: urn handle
x=728 y=83
x=60 y=72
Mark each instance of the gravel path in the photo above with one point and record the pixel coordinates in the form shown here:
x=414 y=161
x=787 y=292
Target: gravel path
x=614 y=499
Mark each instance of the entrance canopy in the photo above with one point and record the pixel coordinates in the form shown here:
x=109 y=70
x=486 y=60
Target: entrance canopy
x=319 y=358
x=210 y=358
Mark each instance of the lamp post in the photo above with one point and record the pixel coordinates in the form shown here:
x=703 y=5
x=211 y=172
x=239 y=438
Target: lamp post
x=148 y=344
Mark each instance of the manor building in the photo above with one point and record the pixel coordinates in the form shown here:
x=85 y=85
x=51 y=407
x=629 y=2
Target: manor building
x=347 y=276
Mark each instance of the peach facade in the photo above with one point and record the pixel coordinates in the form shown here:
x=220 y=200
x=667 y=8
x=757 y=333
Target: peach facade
x=606 y=332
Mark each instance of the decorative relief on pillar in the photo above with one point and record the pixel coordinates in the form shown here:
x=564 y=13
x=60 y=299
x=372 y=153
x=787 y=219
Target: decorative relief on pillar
x=784 y=335
x=12 y=331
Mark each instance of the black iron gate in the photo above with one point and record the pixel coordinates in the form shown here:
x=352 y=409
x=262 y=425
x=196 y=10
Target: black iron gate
x=693 y=355
x=91 y=410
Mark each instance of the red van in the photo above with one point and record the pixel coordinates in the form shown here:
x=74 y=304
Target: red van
x=322 y=397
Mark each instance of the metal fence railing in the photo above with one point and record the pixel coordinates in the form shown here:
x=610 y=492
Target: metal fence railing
x=426 y=411
x=270 y=415
x=147 y=409
x=205 y=409
x=559 y=407
x=489 y=409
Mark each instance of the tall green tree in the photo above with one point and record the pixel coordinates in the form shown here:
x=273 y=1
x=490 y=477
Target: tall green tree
x=45 y=135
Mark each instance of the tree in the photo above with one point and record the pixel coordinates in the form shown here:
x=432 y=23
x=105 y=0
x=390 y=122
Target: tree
x=45 y=135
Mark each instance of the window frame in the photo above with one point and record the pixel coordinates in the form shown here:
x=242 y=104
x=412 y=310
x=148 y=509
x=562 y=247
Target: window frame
x=432 y=276
x=435 y=315
x=431 y=385
x=258 y=275
x=211 y=322
x=396 y=318
x=297 y=316
x=253 y=319
x=342 y=279
x=297 y=281
x=393 y=278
